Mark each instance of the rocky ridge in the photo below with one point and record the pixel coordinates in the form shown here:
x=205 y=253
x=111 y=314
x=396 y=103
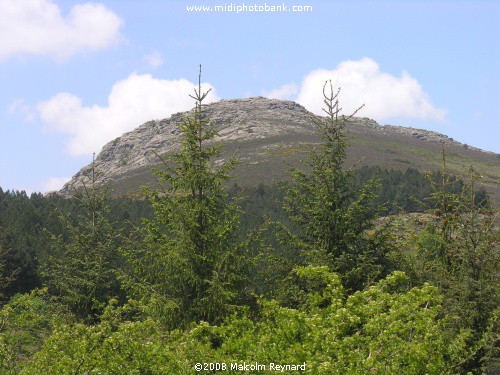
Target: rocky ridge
x=260 y=127
x=234 y=120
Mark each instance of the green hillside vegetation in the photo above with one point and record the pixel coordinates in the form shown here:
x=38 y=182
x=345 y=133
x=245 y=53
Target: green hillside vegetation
x=324 y=274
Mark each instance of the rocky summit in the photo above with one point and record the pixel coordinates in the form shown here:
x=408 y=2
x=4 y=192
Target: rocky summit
x=268 y=136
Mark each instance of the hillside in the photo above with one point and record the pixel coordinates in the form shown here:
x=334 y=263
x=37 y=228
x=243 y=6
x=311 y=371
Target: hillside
x=269 y=135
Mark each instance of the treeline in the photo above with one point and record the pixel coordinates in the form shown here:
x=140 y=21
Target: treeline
x=27 y=222
x=306 y=274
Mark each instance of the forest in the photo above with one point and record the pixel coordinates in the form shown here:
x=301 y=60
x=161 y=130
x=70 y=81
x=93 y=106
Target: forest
x=338 y=271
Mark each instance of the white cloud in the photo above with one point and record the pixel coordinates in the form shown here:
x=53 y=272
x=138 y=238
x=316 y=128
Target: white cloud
x=154 y=60
x=287 y=91
x=361 y=82
x=38 y=27
x=132 y=101
x=54 y=183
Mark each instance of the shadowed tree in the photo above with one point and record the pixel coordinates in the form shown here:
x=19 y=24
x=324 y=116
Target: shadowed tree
x=79 y=267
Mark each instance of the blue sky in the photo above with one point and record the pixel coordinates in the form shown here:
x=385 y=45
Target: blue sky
x=75 y=74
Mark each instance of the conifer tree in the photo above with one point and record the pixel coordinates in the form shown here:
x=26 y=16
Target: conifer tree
x=460 y=252
x=79 y=268
x=6 y=277
x=332 y=214
x=188 y=265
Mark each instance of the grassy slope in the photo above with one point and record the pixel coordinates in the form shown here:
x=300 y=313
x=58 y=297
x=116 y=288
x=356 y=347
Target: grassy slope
x=269 y=159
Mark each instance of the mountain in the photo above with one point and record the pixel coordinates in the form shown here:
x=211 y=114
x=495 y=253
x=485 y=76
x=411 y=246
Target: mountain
x=268 y=136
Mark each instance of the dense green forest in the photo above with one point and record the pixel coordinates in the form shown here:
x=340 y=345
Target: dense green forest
x=338 y=271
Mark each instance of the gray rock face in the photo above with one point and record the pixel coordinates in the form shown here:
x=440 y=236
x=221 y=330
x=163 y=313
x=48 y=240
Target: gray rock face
x=239 y=119
x=263 y=131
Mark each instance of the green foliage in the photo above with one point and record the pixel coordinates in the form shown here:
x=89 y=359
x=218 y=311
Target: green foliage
x=331 y=213
x=405 y=191
x=21 y=238
x=26 y=220
x=25 y=322
x=459 y=251
x=113 y=346
x=388 y=328
x=188 y=265
x=5 y=278
x=79 y=268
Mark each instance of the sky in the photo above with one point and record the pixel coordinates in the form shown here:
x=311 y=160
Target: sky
x=74 y=75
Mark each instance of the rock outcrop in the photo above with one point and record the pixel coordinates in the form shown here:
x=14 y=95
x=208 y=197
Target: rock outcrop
x=267 y=135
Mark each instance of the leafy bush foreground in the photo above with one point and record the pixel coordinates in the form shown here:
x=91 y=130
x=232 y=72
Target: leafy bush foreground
x=388 y=328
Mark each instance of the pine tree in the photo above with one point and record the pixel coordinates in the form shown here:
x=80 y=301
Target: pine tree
x=188 y=265
x=460 y=252
x=332 y=214
x=79 y=268
x=6 y=276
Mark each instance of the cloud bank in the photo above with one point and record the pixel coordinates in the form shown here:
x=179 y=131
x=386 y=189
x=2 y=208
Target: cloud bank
x=361 y=82
x=132 y=101
x=38 y=27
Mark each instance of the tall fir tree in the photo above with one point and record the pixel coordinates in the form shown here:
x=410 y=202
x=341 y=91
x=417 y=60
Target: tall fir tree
x=188 y=265
x=459 y=251
x=79 y=268
x=335 y=218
